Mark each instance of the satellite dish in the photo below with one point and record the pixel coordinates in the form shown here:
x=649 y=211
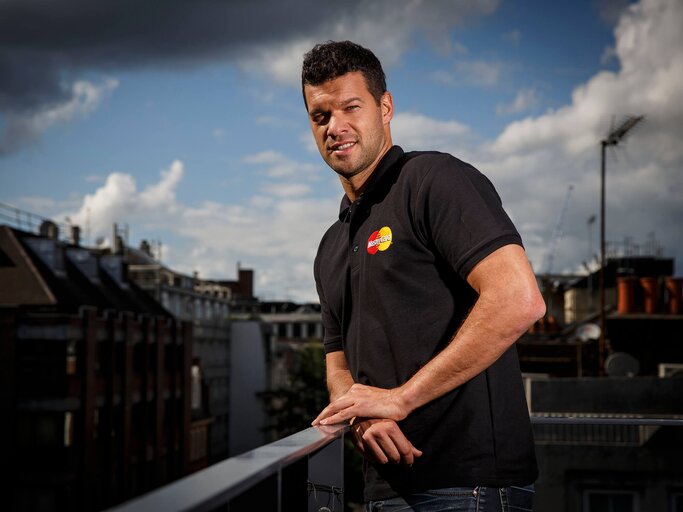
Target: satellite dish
x=588 y=332
x=621 y=364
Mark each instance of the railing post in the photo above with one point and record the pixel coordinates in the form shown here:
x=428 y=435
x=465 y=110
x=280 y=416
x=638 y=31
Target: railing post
x=326 y=478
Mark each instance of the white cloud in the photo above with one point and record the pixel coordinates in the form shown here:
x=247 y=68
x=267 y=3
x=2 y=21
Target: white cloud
x=388 y=31
x=44 y=206
x=414 y=131
x=279 y=165
x=23 y=127
x=291 y=190
x=526 y=99
x=536 y=159
x=275 y=233
x=281 y=62
x=118 y=200
x=532 y=163
x=471 y=72
x=649 y=42
x=162 y=194
x=608 y=54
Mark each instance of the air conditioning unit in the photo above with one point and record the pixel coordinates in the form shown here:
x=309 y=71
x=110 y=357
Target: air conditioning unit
x=670 y=370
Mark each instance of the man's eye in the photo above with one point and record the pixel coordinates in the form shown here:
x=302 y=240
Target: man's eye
x=351 y=108
x=320 y=118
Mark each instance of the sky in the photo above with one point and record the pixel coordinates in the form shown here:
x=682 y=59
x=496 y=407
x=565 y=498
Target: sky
x=185 y=122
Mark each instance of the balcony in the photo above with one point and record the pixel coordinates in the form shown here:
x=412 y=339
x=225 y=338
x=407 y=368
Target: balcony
x=305 y=471
x=301 y=472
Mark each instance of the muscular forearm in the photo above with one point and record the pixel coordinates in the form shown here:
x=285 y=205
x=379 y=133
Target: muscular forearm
x=499 y=317
x=379 y=440
x=508 y=303
x=339 y=379
x=488 y=331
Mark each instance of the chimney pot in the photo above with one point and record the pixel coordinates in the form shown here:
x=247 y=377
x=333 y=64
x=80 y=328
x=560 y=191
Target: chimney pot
x=651 y=294
x=626 y=288
x=674 y=292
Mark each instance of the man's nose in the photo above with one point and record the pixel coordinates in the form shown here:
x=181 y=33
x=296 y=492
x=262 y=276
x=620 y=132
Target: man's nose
x=336 y=126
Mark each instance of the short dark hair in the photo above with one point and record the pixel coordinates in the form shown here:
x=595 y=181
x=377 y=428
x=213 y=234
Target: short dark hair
x=330 y=60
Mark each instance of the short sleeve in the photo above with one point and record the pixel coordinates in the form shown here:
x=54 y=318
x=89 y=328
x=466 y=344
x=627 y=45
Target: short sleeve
x=460 y=214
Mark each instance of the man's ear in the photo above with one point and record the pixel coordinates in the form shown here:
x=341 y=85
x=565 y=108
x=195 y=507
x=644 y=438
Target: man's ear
x=386 y=103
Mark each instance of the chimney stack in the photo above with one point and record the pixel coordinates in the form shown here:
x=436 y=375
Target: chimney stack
x=75 y=235
x=49 y=229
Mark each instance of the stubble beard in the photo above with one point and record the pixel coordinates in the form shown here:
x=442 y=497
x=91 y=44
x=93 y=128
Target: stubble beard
x=347 y=169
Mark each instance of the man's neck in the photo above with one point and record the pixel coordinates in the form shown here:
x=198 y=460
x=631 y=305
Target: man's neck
x=354 y=186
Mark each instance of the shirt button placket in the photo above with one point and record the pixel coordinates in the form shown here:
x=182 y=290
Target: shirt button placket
x=354 y=246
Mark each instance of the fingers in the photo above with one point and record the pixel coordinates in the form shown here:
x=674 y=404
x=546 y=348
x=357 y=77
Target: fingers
x=364 y=401
x=338 y=411
x=382 y=441
x=381 y=450
x=334 y=413
x=407 y=453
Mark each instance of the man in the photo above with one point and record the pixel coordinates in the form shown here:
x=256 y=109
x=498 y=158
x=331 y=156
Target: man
x=424 y=287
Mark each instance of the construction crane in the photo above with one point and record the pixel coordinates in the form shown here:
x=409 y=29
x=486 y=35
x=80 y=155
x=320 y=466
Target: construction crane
x=557 y=233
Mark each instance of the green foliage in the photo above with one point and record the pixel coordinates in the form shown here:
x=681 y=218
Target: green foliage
x=291 y=409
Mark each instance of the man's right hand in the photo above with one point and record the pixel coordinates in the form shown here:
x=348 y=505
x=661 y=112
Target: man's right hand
x=381 y=441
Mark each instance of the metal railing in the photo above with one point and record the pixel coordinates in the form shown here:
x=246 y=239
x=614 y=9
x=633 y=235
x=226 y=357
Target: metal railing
x=27 y=221
x=593 y=429
x=301 y=472
x=605 y=419
x=305 y=471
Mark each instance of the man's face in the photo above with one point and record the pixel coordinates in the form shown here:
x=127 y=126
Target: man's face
x=350 y=129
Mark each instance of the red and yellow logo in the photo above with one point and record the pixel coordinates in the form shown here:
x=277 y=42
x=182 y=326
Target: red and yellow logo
x=379 y=240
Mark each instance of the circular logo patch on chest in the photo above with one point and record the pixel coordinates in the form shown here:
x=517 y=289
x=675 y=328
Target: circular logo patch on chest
x=380 y=240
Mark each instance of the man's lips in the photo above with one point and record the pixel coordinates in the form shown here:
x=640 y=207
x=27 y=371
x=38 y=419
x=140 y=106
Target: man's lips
x=341 y=146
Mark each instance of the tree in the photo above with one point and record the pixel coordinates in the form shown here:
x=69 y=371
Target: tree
x=292 y=408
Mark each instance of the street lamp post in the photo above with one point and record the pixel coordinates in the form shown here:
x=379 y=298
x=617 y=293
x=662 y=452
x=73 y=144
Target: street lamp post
x=612 y=139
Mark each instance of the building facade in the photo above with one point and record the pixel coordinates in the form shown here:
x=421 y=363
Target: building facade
x=95 y=380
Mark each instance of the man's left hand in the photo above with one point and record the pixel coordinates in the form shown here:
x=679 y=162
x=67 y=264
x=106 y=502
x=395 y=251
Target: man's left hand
x=366 y=402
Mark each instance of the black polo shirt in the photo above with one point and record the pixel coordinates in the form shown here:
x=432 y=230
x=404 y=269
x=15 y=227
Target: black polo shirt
x=391 y=277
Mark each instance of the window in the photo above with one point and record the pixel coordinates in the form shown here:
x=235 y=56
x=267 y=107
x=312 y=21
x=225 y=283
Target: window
x=282 y=330
x=609 y=501
x=71 y=357
x=196 y=387
x=69 y=427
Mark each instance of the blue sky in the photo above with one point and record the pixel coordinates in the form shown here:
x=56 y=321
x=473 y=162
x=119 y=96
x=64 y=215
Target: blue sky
x=187 y=124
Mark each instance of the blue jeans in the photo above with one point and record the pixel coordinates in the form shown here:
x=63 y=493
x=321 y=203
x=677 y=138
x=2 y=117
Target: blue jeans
x=471 y=499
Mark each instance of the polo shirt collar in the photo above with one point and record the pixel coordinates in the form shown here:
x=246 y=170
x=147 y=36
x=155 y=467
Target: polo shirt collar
x=385 y=165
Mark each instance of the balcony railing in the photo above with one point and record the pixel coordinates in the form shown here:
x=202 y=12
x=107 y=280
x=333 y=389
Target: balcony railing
x=301 y=472
x=305 y=471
